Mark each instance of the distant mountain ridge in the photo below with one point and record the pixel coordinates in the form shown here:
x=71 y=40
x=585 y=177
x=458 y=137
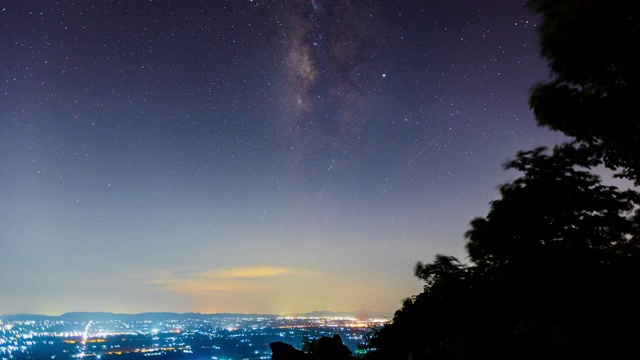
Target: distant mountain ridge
x=159 y=316
x=104 y=316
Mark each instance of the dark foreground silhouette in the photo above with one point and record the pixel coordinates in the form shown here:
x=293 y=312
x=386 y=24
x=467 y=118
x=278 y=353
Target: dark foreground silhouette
x=327 y=348
x=554 y=267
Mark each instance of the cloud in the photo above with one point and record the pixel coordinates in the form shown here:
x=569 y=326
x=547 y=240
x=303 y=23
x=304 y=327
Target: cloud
x=265 y=289
x=246 y=272
x=247 y=279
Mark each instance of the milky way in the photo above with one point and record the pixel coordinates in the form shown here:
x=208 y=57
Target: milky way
x=329 y=53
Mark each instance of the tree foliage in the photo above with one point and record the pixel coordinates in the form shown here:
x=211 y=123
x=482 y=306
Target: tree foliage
x=555 y=275
x=592 y=48
x=554 y=208
x=555 y=270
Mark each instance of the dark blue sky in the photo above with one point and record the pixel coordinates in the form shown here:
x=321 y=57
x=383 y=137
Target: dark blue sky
x=251 y=156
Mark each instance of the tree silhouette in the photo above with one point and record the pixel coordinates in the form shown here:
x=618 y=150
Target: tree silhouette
x=563 y=244
x=592 y=50
x=553 y=209
x=555 y=275
x=555 y=270
x=456 y=313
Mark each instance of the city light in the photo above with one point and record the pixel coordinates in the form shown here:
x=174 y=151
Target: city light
x=220 y=337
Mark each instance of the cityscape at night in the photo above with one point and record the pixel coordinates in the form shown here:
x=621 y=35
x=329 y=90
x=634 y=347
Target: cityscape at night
x=319 y=179
x=170 y=336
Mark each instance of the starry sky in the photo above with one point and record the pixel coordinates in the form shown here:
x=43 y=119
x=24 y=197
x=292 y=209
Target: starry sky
x=251 y=156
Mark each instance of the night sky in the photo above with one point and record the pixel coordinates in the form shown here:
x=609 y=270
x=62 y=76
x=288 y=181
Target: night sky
x=251 y=156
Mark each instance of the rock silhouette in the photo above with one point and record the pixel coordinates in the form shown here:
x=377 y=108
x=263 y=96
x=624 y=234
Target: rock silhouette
x=328 y=348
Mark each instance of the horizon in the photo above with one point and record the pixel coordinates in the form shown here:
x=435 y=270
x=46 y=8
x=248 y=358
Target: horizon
x=252 y=156
x=307 y=315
